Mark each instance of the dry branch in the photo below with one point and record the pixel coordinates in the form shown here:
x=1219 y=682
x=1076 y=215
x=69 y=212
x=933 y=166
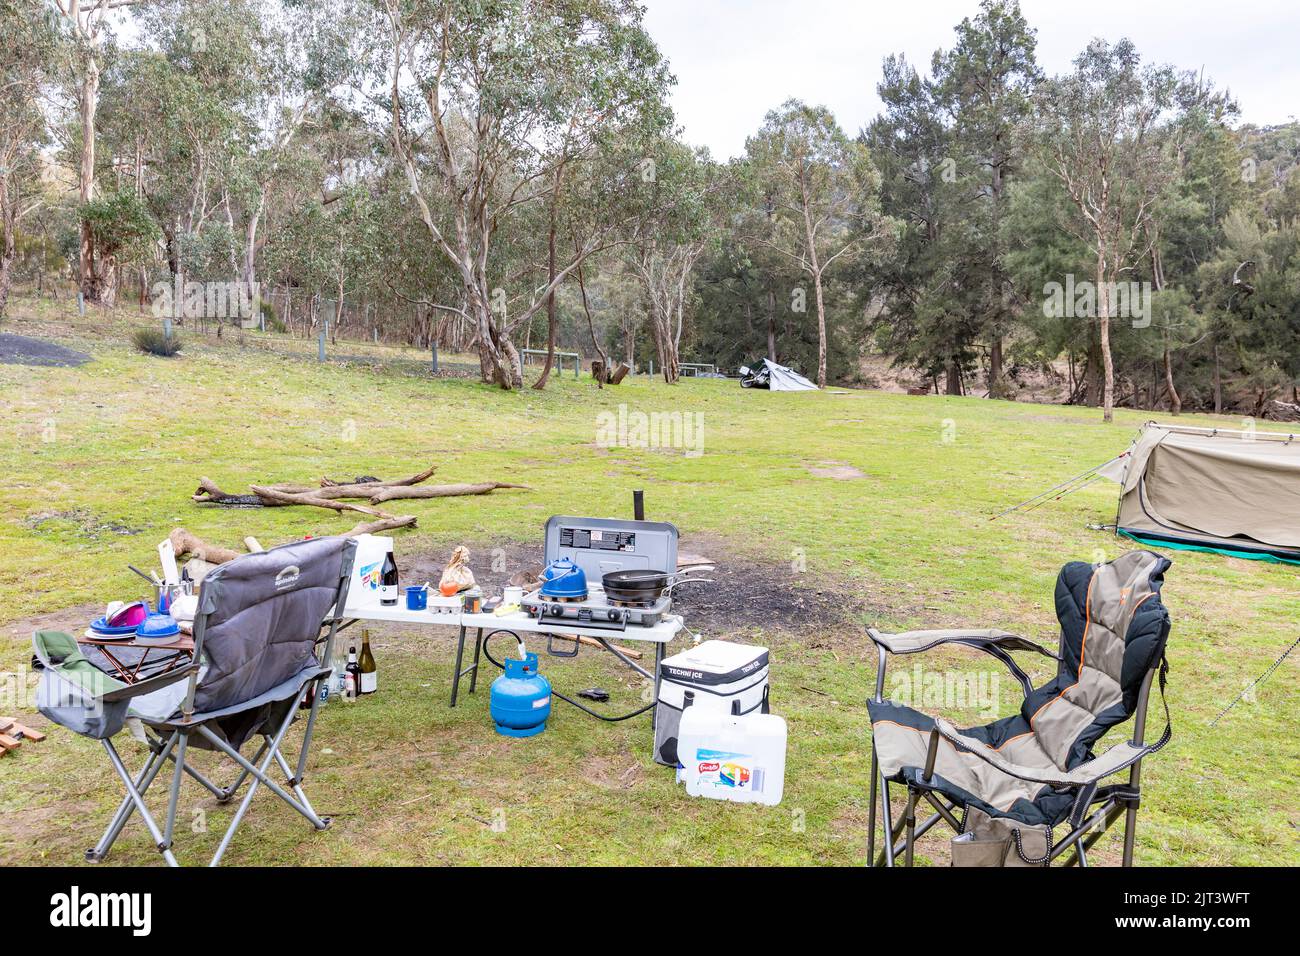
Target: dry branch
x=392 y=483
x=383 y=524
x=440 y=491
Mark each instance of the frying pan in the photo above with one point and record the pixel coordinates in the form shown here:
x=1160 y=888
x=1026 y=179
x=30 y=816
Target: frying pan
x=643 y=585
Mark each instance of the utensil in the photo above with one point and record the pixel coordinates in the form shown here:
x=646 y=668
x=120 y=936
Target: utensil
x=167 y=554
x=148 y=577
x=641 y=585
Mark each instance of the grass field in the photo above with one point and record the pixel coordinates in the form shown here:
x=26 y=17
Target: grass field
x=882 y=497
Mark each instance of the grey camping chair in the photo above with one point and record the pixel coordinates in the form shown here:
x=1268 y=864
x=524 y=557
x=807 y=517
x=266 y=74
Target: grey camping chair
x=1016 y=780
x=259 y=620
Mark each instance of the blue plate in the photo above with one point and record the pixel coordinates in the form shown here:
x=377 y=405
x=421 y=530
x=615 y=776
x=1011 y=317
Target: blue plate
x=100 y=626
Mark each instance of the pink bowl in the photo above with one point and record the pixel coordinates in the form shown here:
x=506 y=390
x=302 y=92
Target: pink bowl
x=130 y=616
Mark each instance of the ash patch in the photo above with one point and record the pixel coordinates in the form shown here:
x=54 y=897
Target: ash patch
x=22 y=350
x=746 y=594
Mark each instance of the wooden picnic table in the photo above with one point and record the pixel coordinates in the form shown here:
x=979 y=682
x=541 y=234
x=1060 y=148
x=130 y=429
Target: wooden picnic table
x=181 y=648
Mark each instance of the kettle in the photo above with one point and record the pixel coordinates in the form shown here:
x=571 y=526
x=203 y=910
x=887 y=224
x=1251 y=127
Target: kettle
x=564 y=579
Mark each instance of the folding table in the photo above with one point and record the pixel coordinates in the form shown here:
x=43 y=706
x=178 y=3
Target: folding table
x=518 y=622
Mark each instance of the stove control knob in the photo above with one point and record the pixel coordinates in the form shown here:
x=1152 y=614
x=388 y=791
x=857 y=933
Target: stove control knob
x=557 y=610
x=612 y=614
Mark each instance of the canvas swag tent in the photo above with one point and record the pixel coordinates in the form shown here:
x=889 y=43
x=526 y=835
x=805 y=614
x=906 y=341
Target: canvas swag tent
x=1230 y=491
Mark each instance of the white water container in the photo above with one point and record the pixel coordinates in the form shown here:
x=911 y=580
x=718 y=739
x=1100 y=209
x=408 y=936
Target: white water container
x=729 y=757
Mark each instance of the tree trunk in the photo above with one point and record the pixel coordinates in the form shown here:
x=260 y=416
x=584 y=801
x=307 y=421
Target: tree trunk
x=591 y=327
x=1103 y=341
x=995 y=366
x=250 y=250
x=821 y=329
x=550 y=298
x=771 y=325
x=952 y=383
x=1175 y=403
x=9 y=221
x=6 y=274
x=86 y=177
x=1218 y=382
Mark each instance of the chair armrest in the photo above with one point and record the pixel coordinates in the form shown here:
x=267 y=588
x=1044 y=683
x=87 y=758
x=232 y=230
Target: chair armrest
x=912 y=642
x=991 y=641
x=140 y=688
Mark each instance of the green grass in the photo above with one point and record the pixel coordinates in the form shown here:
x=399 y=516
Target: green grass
x=101 y=460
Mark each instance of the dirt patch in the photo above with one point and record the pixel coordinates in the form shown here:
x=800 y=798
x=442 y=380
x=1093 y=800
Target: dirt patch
x=835 y=469
x=79 y=520
x=21 y=350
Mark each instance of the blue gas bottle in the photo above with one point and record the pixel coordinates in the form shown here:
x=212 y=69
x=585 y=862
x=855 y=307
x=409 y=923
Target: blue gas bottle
x=521 y=698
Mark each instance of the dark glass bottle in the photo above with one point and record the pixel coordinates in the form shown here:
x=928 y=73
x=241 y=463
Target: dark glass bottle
x=388 y=581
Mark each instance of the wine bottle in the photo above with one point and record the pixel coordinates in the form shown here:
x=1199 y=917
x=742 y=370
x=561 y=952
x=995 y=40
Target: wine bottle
x=388 y=581
x=369 y=675
x=352 y=682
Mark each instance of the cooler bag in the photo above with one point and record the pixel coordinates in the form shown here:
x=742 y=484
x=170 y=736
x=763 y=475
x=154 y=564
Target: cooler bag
x=730 y=678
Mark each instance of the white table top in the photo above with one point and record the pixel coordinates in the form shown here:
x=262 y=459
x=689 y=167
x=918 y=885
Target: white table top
x=661 y=633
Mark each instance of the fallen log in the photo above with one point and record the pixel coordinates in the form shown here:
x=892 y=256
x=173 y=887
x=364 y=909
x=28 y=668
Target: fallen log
x=272 y=494
x=440 y=491
x=208 y=492
x=186 y=543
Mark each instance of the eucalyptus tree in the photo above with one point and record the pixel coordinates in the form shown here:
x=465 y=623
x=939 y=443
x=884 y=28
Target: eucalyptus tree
x=1101 y=135
x=88 y=30
x=27 y=59
x=824 y=190
x=686 y=198
x=487 y=103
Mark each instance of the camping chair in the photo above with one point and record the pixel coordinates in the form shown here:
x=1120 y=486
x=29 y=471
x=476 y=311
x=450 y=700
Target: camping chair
x=255 y=634
x=1017 y=779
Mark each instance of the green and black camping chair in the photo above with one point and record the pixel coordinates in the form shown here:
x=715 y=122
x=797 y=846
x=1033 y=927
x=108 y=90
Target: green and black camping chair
x=1015 y=781
x=259 y=621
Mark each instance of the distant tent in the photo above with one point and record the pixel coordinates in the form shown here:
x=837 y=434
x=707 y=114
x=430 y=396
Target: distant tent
x=1211 y=489
x=775 y=377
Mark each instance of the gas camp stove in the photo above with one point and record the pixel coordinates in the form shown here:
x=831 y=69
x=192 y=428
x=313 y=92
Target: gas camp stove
x=600 y=546
x=596 y=611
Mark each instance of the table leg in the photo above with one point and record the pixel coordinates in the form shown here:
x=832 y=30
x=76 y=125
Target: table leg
x=139 y=665
x=478 y=649
x=122 y=672
x=460 y=654
x=659 y=657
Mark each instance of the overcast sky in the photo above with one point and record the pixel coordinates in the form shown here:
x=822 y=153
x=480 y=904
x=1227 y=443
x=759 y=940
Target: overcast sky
x=736 y=59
